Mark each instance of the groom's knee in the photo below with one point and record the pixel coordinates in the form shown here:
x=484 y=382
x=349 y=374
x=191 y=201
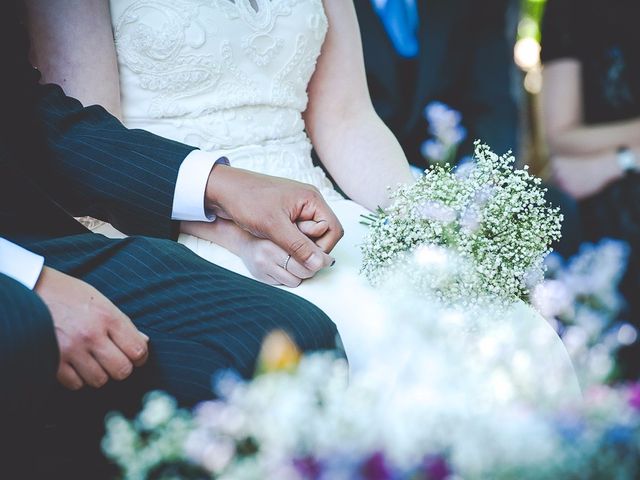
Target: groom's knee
x=310 y=328
x=234 y=302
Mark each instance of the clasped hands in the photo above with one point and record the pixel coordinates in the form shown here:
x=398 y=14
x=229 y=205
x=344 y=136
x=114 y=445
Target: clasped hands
x=98 y=342
x=281 y=229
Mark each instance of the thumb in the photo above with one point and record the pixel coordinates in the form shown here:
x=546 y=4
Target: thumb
x=300 y=247
x=313 y=229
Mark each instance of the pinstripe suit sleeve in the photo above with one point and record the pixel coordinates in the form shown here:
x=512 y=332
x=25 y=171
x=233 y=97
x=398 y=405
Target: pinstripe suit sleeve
x=103 y=169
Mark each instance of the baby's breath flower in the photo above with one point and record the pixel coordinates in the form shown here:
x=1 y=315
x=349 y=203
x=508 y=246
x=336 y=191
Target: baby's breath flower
x=493 y=217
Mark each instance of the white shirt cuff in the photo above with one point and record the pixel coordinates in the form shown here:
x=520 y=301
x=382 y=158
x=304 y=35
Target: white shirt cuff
x=20 y=264
x=191 y=186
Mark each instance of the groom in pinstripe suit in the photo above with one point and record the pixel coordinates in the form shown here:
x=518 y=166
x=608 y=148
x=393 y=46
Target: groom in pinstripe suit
x=112 y=319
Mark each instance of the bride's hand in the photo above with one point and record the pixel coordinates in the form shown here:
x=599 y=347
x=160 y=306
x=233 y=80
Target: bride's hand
x=270 y=264
x=264 y=259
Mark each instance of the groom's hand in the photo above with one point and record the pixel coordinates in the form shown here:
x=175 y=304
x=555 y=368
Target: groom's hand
x=271 y=207
x=96 y=340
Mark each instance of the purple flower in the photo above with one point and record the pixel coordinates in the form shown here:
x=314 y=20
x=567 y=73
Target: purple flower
x=444 y=123
x=452 y=136
x=465 y=167
x=436 y=467
x=308 y=467
x=470 y=220
x=376 y=468
x=482 y=196
x=435 y=111
x=433 y=150
x=634 y=396
x=224 y=382
x=440 y=116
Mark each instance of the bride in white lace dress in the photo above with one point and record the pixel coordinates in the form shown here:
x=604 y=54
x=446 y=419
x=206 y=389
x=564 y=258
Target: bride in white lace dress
x=258 y=81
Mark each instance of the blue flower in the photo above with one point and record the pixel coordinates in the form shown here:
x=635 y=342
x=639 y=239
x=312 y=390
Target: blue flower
x=570 y=427
x=619 y=435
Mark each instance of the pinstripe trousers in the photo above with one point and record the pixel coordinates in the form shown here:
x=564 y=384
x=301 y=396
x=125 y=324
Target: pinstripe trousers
x=200 y=319
x=28 y=362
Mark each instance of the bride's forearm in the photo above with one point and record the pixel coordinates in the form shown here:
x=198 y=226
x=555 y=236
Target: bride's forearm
x=222 y=232
x=357 y=148
x=363 y=157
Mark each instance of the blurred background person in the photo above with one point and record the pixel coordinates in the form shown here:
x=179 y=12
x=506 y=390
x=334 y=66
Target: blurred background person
x=458 y=52
x=591 y=118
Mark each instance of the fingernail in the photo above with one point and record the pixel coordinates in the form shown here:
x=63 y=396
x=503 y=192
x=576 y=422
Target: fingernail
x=314 y=262
x=145 y=336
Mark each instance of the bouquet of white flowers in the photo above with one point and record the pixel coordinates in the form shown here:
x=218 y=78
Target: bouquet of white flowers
x=494 y=217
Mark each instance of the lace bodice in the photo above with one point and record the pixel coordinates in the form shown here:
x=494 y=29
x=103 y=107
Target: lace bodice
x=227 y=75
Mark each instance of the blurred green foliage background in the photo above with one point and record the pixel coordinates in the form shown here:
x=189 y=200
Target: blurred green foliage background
x=529 y=26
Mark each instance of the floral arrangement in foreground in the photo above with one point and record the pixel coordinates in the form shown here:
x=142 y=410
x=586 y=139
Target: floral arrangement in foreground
x=581 y=300
x=595 y=440
x=492 y=217
x=450 y=404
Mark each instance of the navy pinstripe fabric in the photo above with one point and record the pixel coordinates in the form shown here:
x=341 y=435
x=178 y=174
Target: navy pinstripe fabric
x=200 y=318
x=83 y=159
x=28 y=361
x=107 y=171
x=166 y=289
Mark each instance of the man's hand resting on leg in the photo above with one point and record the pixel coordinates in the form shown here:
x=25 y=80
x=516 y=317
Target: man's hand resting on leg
x=96 y=340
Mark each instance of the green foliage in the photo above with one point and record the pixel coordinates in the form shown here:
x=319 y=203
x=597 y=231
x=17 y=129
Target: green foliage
x=532 y=11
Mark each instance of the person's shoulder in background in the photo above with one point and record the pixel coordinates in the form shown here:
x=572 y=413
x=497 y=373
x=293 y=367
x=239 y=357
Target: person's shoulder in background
x=559 y=35
x=569 y=27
